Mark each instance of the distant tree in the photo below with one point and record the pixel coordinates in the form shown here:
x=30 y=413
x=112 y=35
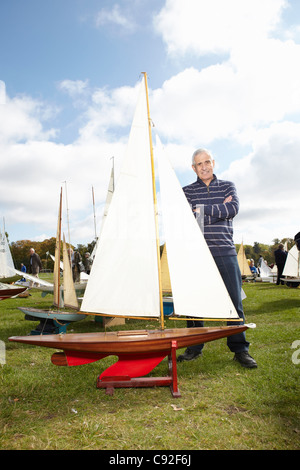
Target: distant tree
x=20 y=252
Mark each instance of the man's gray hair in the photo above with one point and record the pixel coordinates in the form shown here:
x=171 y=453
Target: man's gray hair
x=198 y=151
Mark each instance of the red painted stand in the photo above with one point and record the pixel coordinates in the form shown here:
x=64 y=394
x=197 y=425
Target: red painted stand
x=125 y=381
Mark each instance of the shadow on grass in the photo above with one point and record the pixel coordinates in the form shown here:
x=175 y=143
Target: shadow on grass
x=274 y=306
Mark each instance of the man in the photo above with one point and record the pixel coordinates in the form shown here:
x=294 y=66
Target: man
x=88 y=261
x=34 y=264
x=280 y=259
x=216 y=203
x=76 y=264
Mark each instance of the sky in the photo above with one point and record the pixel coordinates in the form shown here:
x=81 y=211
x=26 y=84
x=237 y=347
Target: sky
x=222 y=74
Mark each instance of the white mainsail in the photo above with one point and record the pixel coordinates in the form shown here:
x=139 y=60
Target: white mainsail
x=291 y=267
x=124 y=277
x=7 y=267
x=124 y=274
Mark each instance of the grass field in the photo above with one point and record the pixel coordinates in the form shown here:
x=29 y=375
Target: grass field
x=223 y=406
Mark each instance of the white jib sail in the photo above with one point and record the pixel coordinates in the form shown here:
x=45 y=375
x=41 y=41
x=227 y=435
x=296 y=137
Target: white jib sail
x=197 y=287
x=124 y=274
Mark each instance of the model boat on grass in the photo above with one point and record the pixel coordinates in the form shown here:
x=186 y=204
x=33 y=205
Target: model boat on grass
x=125 y=278
x=7 y=267
x=291 y=270
x=8 y=291
x=57 y=320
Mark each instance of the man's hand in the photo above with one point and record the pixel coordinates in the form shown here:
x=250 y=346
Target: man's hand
x=227 y=199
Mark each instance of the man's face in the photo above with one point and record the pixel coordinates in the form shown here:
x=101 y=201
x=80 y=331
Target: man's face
x=204 y=167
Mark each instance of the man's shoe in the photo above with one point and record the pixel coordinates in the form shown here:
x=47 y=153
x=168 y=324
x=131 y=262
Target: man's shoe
x=188 y=355
x=245 y=360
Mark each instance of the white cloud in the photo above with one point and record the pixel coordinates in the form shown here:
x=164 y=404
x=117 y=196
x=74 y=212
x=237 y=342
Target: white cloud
x=115 y=17
x=109 y=112
x=267 y=182
x=230 y=99
x=73 y=87
x=2 y=92
x=21 y=119
x=203 y=27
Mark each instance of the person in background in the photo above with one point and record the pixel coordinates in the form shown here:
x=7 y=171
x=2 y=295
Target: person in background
x=88 y=262
x=280 y=259
x=23 y=269
x=35 y=264
x=76 y=264
x=217 y=203
x=253 y=269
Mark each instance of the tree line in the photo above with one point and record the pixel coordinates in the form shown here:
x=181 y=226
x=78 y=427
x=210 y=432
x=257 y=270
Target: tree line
x=266 y=251
x=20 y=251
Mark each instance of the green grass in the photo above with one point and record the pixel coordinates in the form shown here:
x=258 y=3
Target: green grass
x=223 y=406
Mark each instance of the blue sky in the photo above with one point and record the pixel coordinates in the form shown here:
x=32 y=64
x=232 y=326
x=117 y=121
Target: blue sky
x=223 y=74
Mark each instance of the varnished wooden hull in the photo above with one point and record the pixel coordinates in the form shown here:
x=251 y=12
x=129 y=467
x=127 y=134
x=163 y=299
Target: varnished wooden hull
x=132 y=341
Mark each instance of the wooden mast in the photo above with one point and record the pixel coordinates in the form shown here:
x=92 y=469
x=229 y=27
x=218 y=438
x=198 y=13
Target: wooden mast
x=155 y=208
x=58 y=248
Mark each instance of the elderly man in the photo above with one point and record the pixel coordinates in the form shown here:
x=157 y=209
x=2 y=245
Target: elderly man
x=215 y=203
x=35 y=264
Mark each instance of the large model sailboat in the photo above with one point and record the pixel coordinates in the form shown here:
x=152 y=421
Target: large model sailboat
x=125 y=278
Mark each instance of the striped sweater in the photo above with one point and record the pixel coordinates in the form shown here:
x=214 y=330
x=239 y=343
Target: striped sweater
x=218 y=230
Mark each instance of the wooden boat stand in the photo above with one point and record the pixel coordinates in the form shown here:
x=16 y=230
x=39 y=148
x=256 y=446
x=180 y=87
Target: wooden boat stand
x=124 y=381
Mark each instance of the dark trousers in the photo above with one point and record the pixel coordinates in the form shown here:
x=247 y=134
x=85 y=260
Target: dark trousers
x=231 y=275
x=280 y=268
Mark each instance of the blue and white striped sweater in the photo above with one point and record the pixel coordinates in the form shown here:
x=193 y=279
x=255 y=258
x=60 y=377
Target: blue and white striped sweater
x=218 y=230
